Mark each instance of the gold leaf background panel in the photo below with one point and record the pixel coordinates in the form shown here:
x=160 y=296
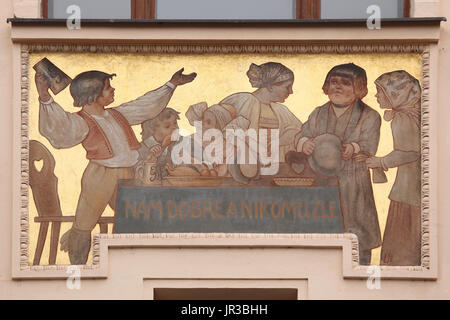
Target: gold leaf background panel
x=219 y=75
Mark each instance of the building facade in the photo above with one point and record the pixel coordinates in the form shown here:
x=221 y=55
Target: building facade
x=179 y=265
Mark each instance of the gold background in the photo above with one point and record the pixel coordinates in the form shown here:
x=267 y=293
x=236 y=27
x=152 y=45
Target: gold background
x=218 y=77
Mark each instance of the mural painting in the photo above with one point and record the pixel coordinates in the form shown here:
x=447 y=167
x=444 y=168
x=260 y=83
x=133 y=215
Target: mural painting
x=228 y=156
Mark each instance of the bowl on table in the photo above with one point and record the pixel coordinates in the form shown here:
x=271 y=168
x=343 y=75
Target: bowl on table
x=191 y=181
x=293 y=182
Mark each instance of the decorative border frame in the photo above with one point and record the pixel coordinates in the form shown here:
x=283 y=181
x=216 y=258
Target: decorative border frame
x=348 y=242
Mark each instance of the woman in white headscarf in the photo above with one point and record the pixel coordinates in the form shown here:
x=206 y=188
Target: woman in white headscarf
x=263 y=107
x=400 y=94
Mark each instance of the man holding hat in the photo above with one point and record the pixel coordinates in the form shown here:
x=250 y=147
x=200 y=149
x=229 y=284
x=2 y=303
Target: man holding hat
x=357 y=126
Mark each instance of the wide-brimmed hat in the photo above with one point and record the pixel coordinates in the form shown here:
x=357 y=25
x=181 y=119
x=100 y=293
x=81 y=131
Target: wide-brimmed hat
x=327 y=156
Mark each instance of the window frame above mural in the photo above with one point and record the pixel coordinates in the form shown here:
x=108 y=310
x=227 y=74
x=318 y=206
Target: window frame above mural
x=304 y=9
x=311 y=9
x=140 y=9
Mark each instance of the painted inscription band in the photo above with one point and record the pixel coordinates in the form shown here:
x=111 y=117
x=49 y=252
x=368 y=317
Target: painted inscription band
x=229 y=209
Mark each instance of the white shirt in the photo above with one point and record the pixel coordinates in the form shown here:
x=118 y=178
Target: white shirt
x=64 y=129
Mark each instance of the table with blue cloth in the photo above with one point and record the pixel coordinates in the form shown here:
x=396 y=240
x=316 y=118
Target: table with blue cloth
x=227 y=209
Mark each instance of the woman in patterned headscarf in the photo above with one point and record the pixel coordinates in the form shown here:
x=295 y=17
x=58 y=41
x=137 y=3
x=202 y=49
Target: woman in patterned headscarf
x=400 y=94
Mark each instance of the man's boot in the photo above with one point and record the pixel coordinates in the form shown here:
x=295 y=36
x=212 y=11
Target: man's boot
x=79 y=246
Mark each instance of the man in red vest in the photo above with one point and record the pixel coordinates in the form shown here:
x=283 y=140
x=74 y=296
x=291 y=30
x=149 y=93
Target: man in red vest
x=106 y=134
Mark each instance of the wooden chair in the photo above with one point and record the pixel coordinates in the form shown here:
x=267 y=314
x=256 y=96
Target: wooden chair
x=44 y=185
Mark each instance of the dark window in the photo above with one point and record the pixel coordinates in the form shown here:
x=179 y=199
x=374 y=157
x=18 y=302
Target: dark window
x=100 y=9
x=225 y=294
x=350 y=9
x=357 y=9
x=225 y=9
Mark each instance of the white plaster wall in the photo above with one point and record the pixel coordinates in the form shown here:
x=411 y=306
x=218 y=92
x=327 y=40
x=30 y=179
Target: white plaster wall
x=26 y=8
x=6 y=143
x=318 y=271
x=426 y=8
